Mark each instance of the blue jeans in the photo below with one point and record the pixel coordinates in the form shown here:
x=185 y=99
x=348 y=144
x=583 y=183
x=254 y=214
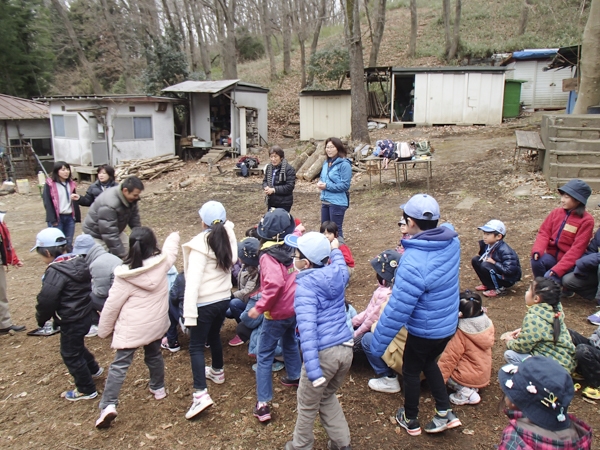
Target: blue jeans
x=334 y=213
x=378 y=364
x=66 y=224
x=174 y=315
x=236 y=308
x=271 y=332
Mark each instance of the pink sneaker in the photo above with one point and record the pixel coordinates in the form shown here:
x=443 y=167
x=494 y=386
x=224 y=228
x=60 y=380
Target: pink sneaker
x=159 y=394
x=236 y=341
x=481 y=287
x=494 y=292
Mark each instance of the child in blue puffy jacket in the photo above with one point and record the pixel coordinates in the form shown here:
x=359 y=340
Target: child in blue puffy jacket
x=325 y=339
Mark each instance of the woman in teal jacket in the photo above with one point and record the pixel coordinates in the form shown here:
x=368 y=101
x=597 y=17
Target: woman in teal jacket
x=334 y=183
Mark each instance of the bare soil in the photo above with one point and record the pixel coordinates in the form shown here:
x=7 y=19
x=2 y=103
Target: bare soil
x=470 y=162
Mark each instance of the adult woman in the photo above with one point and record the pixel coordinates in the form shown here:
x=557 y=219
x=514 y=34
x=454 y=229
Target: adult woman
x=334 y=183
x=279 y=181
x=106 y=179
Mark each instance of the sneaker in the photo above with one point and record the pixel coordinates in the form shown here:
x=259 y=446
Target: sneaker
x=99 y=373
x=277 y=366
x=592 y=393
x=465 y=396
x=206 y=345
x=216 y=376
x=494 y=292
x=412 y=426
x=47 y=330
x=262 y=412
x=289 y=382
x=159 y=394
x=332 y=446
x=75 y=395
x=577 y=376
x=236 y=341
x=171 y=346
x=481 y=287
x=389 y=385
x=594 y=318
x=200 y=401
x=107 y=415
x=440 y=423
x=93 y=331
x=14 y=328
x=567 y=294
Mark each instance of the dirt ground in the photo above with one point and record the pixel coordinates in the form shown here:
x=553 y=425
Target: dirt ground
x=470 y=162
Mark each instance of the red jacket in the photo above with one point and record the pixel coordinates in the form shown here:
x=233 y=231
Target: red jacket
x=347 y=255
x=566 y=244
x=278 y=288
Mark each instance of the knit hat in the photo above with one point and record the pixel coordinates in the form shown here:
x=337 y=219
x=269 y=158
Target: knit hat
x=386 y=263
x=248 y=251
x=82 y=244
x=578 y=189
x=494 y=225
x=49 y=237
x=212 y=212
x=423 y=207
x=275 y=224
x=541 y=388
x=315 y=246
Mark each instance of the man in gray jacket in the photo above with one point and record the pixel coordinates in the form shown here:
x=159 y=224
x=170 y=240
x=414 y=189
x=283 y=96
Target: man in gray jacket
x=112 y=212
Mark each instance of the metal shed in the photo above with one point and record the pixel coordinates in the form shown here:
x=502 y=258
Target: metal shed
x=325 y=113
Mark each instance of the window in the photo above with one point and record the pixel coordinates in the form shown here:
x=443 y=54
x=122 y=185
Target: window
x=41 y=146
x=65 y=126
x=132 y=128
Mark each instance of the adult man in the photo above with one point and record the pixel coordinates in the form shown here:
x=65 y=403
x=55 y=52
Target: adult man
x=8 y=257
x=110 y=214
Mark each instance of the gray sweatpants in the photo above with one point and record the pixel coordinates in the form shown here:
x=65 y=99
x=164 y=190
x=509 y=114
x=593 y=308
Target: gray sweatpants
x=118 y=369
x=335 y=364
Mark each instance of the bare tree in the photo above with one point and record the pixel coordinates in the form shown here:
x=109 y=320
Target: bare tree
x=300 y=21
x=414 y=26
x=124 y=52
x=202 y=41
x=286 y=31
x=265 y=20
x=452 y=36
x=524 y=16
x=377 y=32
x=456 y=34
x=322 y=11
x=446 y=17
x=225 y=24
x=589 y=66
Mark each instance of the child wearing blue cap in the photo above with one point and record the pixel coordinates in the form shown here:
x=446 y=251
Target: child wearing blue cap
x=325 y=339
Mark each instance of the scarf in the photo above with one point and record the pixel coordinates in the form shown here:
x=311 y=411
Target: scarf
x=281 y=178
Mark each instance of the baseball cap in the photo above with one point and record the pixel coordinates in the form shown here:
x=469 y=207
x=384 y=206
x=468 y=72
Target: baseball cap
x=315 y=246
x=386 y=263
x=49 y=237
x=248 y=251
x=276 y=224
x=422 y=207
x=494 y=225
x=212 y=212
x=82 y=244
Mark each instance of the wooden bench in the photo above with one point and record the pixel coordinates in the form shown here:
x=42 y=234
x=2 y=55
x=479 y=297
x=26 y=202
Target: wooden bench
x=86 y=170
x=260 y=170
x=529 y=141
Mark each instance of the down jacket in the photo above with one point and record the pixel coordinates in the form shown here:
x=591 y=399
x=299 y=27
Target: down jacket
x=321 y=311
x=425 y=295
x=102 y=268
x=277 y=282
x=467 y=358
x=507 y=260
x=565 y=236
x=137 y=308
x=337 y=179
x=94 y=191
x=108 y=216
x=283 y=197
x=590 y=261
x=50 y=199
x=364 y=320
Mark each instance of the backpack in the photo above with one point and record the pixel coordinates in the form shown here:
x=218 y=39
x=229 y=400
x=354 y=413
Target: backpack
x=423 y=148
x=245 y=163
x=405 y=151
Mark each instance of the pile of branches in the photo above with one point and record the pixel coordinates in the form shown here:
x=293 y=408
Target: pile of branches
x=149 y=168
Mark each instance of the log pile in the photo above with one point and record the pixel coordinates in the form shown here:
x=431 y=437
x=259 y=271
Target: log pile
x=311 y=163
x=149 y=168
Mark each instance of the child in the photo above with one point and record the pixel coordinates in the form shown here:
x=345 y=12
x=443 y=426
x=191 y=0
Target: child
x=278 y=285
x=405 y=235
x=136 y=313
x=208 y=259
x=65 y=296
x=537 y=394
x=587 y=354
x=543 y=331
x=425 y=299
x=248 y=282
x=564 y=234
x=8 y=257
x=330 y=230
x=466 y=363
x=325 y=339
x=60 y=200
x=497 y=265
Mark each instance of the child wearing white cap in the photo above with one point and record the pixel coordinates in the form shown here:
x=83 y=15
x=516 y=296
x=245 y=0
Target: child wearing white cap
x=497 y=265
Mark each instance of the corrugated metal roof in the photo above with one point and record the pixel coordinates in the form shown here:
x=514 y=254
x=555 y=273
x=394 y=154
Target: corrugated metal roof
x=449 y=69
x=204 y=87
x=113 y=98
x=15 y=108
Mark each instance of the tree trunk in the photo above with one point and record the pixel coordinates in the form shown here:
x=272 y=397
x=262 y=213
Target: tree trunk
x=225 y=13
x=456 y=35
x=315 y=41
x=266 y=29
x=414 y=25
x=286 y=26
x=189 y=21
x=87 y=66
x=357 y=74
x=446 y=16
x=200 y=30
x=129 y=87
x=369 y=21
x=377 y=32
x=589 y=66
x=524 y=17
x=167 y=13
x=301 y=42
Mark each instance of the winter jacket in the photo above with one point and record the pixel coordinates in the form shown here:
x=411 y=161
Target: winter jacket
x=94 y=191
x=137 y=308
x=247 y=284
x=364 y=320
x=277 y=282
x=8 y=254
x=522 y=434
x=108 y=216
x=590 y=261
x=468 y=356
x=565 y=236
x=50 y=199
x=507 y=262
x=284 y=186
x=337 y=179
x=425 y=295
x=321 y=311
x=102 y=266
x=347 y=255
x=205 y=282
x=536 y=336
x=65 y=293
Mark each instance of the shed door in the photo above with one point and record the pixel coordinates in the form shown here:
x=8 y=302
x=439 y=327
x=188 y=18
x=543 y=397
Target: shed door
x=445 y=98
x=328 y=117
x=548 y=88
x=485 y=93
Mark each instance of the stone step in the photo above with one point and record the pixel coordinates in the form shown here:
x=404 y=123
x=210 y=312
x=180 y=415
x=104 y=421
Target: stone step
x=574 y=132
x=574 y=170
x=572 y=157
x=593 y=182
x=573 y=145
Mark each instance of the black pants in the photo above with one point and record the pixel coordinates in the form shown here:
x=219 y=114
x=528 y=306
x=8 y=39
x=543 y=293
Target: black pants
x=588 y=359
x=420 y=355
x=243 y=331
x=78 y=359
x=97 y=305
x=586 y=286
x=488 y=275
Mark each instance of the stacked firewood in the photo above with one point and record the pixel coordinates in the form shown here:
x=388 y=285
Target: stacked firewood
x=149 y=168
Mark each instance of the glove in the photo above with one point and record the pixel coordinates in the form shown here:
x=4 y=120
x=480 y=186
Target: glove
x=319 y=381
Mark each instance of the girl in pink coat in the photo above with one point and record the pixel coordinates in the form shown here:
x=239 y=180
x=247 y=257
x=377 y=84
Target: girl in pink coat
x=136 y=312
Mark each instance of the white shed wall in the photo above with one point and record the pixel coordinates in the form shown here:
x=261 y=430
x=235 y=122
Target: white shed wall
x=200 y=116
x=324 y=116
x=258 y=100
x=542 y=89
x=31 y=128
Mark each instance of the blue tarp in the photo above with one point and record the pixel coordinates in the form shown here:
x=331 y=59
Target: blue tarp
x=535 y=53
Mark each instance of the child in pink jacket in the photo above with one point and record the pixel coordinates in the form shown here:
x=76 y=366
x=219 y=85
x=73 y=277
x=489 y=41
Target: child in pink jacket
x=136 y=312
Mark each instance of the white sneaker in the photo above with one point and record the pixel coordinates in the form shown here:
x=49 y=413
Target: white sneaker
x=159 y=394
x=93 y=331
x=99 y=373
x=465 y=396
x=214 y=375
x=200 y=401
x=107 y=415
x=389 y=385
